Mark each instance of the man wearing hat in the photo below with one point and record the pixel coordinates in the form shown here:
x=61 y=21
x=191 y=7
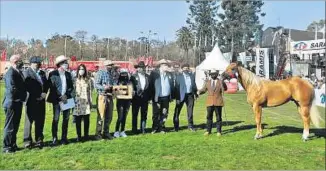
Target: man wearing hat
x=37 y=86
x=61 y=89
x=186 y=92
x=14 y=96
x=214 y=101
x=140 y=81
x=103 y=84
x=162 y=91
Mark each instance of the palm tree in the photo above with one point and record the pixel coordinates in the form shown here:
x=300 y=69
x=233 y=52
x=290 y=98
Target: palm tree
x=185 y=39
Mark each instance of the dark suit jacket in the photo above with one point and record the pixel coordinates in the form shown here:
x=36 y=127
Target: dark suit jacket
x=55 y=87
x=33 y=85
x=15 y=90
x=155 y=84
x=181 y=89
x=139 y=93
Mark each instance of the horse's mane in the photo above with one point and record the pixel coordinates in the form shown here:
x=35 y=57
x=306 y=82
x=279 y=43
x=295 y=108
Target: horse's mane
x=249 y=78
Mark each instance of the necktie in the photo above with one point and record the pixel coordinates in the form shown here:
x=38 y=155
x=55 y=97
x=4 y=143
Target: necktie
x=213 y=84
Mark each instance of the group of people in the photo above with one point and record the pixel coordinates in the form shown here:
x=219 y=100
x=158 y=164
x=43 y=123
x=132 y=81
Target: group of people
x=161 y=87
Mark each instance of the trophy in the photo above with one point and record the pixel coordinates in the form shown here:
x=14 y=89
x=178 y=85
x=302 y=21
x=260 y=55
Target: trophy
x=123 y=91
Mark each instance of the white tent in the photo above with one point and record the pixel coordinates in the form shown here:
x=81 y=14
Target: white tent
x=215 y=60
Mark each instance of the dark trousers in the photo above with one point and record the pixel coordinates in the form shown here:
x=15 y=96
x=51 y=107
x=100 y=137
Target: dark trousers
x=139 y=103
x=160 y=113
x=35 y=112
x=189 y=100
x=86 y=125
x=107 y=117
x=55 y=122
x=218 y=113
x=123 y=106
x=13 y=115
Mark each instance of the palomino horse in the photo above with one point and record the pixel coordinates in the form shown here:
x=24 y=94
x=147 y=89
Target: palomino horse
x=265 y=93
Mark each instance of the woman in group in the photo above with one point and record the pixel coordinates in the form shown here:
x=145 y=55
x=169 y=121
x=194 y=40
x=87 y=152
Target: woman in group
x=123 y=103
x=83 y=101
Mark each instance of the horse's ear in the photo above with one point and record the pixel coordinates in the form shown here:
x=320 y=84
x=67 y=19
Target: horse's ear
x=239 y=63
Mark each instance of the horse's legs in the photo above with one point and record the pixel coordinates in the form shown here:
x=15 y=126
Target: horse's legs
x=258 y=112
x=304 y=112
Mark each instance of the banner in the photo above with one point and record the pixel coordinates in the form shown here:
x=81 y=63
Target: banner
x=308 y=45
x=320 y=97
x=4 y=55
x=262 y=62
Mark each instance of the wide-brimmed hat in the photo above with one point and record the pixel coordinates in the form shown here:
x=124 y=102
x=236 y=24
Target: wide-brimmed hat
x=108 y=63
x=141 y=64
x=213 y=71
x=163 y=61
x=60 y=59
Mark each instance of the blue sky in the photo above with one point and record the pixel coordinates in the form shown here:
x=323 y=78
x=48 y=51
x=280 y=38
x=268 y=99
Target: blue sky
x=40 y=19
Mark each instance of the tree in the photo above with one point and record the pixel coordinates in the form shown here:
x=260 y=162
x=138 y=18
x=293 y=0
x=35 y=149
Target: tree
x=319 y=24
x=185 y=39
x=80 y=36
x=202 y=21
x=238 y=25
x=94 y=39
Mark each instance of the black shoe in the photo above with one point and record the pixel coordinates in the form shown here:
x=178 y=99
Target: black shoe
x=64 y=141
x=8 y=151
x=98 y=137
x=78 y=139
x=108 y=137
x=39 y=144
x=55 y=142
x=28 y=145
x=192 y=129
x=86 y=138
x=176 y=129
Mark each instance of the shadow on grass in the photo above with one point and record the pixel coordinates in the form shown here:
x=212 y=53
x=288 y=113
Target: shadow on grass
x=318 y=133
x=241 y=128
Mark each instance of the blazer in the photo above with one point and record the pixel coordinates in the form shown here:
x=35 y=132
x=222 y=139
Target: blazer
x=15 y=90
x=138 y=92
x=55 y=87
x=156 y=85
x=34 y=86
x=214 y=97
x=181 y=89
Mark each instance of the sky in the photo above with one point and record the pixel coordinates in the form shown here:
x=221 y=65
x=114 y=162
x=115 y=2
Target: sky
x=126 y=19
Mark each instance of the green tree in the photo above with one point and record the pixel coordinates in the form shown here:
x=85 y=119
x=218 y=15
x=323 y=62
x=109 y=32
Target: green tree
x=185 y=39
x=239 y=23
x=319 y=24
x=202 y=20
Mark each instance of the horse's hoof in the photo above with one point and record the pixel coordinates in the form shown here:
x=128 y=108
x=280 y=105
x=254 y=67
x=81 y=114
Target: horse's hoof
x=304 y=139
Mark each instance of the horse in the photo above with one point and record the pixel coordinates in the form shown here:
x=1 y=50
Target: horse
x=263 y=93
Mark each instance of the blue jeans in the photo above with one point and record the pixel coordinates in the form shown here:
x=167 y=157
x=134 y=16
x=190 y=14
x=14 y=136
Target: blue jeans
x=55 y=121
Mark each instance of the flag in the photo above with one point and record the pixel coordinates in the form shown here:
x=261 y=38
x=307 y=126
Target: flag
x=4 y=55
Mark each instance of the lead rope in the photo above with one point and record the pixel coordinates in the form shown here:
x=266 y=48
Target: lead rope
x=224 y=104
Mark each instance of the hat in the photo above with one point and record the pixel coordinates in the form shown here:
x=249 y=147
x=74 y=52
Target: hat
x=123 y=70
x=213 y=71
x=140 y=64
x=163 y=61
x=35 y=59
x=14 y=58
x=107 y=63
x=60 y=59
x=185 y=65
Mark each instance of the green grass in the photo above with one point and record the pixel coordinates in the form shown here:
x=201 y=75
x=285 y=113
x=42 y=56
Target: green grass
x=236 y=149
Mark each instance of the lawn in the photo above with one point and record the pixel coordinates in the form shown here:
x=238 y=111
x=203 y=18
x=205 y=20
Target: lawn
x=282 y=148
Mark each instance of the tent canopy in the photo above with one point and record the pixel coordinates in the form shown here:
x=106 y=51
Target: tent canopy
x=215 y=60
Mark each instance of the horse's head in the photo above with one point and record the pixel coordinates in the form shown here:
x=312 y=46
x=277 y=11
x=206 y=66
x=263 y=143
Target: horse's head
x=230 y=71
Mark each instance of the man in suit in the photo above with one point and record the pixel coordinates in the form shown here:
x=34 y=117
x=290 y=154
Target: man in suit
x=15 y=95
x=162 y=90
x=140 y=81
x=61 y=89
x=37 y=86
x=186 y=92
x=214 y=102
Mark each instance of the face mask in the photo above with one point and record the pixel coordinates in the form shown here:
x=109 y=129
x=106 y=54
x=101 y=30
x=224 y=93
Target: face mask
x=81 y=72
x=141 y=70
x=214 y=77
x=20 y=65
x=64 y=66
x=186 y=71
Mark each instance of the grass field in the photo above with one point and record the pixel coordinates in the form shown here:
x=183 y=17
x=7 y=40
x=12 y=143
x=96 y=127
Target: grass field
x=282 y=148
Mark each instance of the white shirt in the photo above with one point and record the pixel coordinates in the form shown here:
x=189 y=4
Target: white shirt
x=64 y=82
x=142 y=80
x=165 y=85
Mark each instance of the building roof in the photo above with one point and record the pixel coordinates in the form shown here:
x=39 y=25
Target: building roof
x=296 y=35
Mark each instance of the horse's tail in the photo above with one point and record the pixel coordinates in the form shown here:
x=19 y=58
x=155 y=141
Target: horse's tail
x=314 y=112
